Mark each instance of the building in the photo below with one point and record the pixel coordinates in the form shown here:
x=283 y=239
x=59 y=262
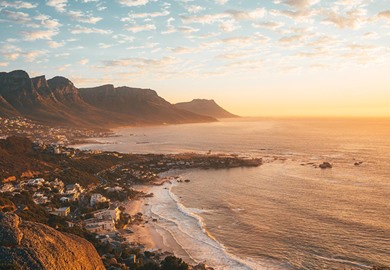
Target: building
x=97 y=198
x=103 y=225
x=62 y=212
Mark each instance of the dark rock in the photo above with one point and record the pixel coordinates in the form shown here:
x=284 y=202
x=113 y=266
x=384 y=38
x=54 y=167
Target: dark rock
x=325 y=165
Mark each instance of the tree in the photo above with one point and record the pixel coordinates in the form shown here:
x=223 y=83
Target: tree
x=173 y=263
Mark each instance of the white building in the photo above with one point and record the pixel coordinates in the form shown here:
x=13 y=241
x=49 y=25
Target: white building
x=97 y=198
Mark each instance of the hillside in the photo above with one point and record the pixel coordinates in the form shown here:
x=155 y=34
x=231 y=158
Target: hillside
x=205 y=107
x=59 y=102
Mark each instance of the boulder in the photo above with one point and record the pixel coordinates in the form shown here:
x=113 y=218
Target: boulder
x=30 y=245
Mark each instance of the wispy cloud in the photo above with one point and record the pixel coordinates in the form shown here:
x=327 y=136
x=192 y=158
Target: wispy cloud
x=140 y=28
x=59 y=5
x=18 y=4
x=83 y=18
x=89 y=30
x=133 y=3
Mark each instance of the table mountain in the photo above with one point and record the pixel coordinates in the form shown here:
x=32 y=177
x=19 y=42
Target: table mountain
x=207 y=107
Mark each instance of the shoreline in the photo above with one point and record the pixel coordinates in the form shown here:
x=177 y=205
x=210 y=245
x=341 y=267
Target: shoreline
x=143 y=232
x=172 y=229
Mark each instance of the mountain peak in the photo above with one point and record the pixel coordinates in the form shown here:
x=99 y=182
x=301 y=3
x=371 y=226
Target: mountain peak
x=59 y=81
x=20 y=74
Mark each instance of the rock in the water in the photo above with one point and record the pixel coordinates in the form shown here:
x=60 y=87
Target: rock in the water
x=30 y=245
x=325 y=165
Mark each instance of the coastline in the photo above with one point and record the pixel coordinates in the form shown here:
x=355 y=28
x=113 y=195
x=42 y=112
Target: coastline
x=143 y=232
x=172 y=229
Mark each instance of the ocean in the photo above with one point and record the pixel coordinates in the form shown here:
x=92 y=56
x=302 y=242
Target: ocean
x=285 y=214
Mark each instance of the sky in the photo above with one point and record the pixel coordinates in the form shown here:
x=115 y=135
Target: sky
x=254 y=57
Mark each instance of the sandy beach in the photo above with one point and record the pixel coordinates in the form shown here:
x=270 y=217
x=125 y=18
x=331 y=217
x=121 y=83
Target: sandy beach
x=144 y=232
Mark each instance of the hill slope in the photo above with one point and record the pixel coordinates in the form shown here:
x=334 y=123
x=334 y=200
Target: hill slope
x=206 y=107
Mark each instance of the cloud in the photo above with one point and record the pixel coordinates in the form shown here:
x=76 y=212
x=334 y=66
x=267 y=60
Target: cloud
x=55 y=44
x=352 y=19
x=229 y=14
x=290 y=39
x=184 y=50
x=16 y=16
x=134 y=16
x=105 y=46
x=300 y=4
x=229 y=26
x=187 y=29
x=59 y=5
x=221 y=2
x=133 y=3
x=39 y=34
x=267 y=25
x=140 y=63
x=195 y=9
x=4 y=64
x=83 y=61
x=31 y=56
x=17 y=4
x=384 y=14
x=140 y=28
x=247 y=15
x=86 y=30
x=83 y=18
x=47 y=22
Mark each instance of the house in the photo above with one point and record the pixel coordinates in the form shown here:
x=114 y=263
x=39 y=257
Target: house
x=112 y=212
x=62 y=212
x=37 y=182
x=104 y=225
x=97 y=198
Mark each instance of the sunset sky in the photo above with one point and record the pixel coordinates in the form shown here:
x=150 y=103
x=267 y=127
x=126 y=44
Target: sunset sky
x=255 y=58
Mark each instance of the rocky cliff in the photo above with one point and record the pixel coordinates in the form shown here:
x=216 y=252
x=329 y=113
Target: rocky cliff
x=29 y=245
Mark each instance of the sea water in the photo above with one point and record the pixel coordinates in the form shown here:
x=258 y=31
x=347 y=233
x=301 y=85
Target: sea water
x=285 y=214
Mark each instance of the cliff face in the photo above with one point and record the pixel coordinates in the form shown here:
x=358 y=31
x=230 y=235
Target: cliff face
x=29 y=245
x=205 y=107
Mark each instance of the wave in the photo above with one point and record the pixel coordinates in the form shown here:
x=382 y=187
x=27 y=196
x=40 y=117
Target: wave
x=188 y=229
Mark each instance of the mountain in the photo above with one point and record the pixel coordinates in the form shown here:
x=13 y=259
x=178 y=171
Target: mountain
x=59 y=102
x=144 y=105
x=206 y=107
x=30 y=245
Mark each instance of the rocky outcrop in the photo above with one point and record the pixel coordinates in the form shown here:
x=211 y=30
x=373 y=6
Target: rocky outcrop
x=29 y=245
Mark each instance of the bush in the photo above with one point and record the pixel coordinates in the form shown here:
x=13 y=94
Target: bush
x=173 y=263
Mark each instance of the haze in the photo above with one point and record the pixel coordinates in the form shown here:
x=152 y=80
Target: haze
x=256 y=58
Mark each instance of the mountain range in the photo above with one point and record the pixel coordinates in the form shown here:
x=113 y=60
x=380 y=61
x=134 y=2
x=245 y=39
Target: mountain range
x=59 y=102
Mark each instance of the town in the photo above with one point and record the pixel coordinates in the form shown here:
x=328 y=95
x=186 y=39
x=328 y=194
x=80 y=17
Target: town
x=20 y=126
x=83 y=192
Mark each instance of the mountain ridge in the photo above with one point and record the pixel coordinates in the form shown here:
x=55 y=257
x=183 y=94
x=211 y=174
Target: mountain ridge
x=59 y=102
